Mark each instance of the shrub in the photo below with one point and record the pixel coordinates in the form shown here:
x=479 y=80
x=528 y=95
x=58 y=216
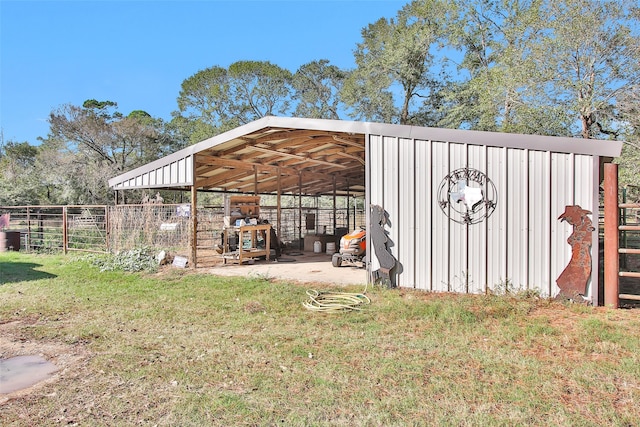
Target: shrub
x=138 y=259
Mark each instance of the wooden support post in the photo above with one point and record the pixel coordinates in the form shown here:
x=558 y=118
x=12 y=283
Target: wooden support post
x=194 y=216
x=28 y=238
x=611 y=238
x=65 y=230
x=107 y=228
x=335 y=222
x=300 y=210
x=194 y=225
x=279 y=209
x=255 y=180
x=347 y=206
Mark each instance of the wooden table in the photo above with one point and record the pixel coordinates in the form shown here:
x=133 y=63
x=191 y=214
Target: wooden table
x=253 y=252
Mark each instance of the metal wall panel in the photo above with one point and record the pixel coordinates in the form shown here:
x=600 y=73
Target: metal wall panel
x=585 y=177
x=424 y=196
x=172 y=174
x=182 y=170
x=522 y=245
x=477 y=242
x=458 y=274
x=497 y=236
x=376 y=193
x=539 y=221
x=440 y=243
x=562 y=175
x=407 y=201
x=391 y=199
x=517 y=218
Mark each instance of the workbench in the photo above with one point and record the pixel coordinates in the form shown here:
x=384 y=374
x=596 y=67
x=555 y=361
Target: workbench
x=245 y=254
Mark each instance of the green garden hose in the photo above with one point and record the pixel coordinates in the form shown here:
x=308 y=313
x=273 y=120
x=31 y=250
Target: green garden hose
x=334 y=301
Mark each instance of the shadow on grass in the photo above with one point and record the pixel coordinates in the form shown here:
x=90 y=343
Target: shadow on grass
x=21 y=271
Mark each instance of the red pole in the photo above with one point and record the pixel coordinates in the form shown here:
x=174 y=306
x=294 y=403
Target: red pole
x=611 y=243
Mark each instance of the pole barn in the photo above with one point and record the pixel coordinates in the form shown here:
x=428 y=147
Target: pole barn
x=449 y=210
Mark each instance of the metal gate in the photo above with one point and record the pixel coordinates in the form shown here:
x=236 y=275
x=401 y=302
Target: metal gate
x=66 y=228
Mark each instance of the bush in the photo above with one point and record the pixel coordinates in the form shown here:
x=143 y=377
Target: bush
x=138 y=259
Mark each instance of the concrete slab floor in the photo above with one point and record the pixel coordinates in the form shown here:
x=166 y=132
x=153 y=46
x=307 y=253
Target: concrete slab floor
x=297 y=266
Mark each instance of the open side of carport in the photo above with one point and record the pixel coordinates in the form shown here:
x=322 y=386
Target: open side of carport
x=281 y=156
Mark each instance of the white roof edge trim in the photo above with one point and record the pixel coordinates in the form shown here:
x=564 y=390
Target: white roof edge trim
x=122 y=186
x=533 y=142
x=557 y=144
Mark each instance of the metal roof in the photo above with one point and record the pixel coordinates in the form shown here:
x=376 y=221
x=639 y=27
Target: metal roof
x=312 y=156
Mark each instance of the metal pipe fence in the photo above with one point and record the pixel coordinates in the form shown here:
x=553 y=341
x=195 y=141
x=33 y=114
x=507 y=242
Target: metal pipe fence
x=117 y=228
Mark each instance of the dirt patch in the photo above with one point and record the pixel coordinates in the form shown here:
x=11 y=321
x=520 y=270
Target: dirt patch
x=13 y=342
x=305 y=267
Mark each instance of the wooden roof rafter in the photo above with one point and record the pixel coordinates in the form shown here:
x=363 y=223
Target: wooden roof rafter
x=279 y=134
x=277 y=153
x=213 y=163
x=224 y=178
x=250 y=157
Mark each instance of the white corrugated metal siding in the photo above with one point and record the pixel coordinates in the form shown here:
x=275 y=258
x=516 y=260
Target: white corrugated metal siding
x=176 y=173
x=521 y=245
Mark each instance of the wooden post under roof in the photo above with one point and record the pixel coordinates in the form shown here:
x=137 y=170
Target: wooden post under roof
x=347 y=207
x=300 y=210
x=279 y=209
x=335 y=222
x=255 y=180
x=194 y=219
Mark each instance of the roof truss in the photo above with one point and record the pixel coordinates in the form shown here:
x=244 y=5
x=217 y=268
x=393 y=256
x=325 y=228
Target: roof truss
x=306 y=162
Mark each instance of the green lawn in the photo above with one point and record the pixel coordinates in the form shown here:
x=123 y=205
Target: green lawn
x=187 y=348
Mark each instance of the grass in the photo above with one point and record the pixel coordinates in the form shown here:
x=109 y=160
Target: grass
x=187 y=348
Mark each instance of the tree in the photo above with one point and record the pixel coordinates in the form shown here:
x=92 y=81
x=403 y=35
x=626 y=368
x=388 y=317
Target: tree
x=544 y=66
x=259 y=89
x=317 y=87
x=185 y=131
x=96 y=142
x=18 y=175
x=101 y=133
x=215 y=100
x=591 y=54
x=629 y=107
x=395 y=65
x=494 y=40
x=204 y=98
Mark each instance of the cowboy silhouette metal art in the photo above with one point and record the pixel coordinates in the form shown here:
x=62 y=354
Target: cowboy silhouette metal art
x=573 y=280
x=380 y=243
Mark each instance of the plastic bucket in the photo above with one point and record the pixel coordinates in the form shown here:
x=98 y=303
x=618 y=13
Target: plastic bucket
x=317 y=246
x=331 y=248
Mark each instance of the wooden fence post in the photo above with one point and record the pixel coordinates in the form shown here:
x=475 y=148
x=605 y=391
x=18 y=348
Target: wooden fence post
x=28 y=236
x=65 y=234
x=611 y=238
x=107 y=227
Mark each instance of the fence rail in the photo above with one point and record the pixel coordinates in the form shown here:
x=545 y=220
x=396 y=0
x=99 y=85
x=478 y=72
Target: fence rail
x=66 y=228
x=163 y=226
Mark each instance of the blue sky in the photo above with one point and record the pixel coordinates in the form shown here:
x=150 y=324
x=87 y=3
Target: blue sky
x=137 y=53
